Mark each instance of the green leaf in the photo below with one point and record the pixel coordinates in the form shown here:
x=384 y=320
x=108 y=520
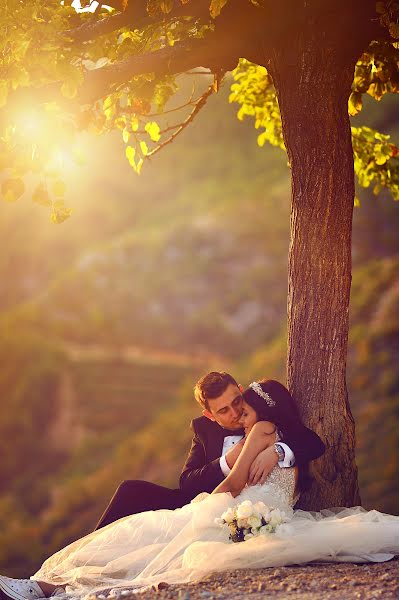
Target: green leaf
x=153 y=130
x=12 y=189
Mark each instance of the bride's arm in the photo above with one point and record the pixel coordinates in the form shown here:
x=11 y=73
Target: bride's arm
x=261 y=436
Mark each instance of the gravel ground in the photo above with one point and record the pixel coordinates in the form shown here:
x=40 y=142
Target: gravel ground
x=332 y=581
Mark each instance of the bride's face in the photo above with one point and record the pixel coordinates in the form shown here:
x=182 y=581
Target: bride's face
x=248 y=417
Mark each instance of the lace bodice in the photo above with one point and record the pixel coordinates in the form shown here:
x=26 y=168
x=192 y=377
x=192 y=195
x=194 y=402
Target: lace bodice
x=278 y=489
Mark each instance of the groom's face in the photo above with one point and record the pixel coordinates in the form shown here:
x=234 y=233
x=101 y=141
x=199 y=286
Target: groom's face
x=227 y=408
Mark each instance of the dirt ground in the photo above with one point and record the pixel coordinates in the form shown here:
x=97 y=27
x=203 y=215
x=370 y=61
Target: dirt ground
x=332 y=581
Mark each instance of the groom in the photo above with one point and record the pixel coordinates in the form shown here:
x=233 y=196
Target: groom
x=216 y=444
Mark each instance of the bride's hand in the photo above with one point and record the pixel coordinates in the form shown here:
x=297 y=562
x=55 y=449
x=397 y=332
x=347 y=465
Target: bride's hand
x=262 y=465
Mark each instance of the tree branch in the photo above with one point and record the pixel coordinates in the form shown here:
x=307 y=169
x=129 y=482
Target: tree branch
x=168 y=60
x=91 y=30
x=200 y=103
x=135 y=17
x=236 y=32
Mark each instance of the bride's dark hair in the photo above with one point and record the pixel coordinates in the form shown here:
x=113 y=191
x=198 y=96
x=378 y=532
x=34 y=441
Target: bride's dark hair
x=283 y=412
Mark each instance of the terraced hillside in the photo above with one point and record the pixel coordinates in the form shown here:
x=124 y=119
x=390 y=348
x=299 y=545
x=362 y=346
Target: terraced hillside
x=98 y=433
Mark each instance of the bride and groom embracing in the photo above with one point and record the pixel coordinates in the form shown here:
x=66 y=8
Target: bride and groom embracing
x=248 y=447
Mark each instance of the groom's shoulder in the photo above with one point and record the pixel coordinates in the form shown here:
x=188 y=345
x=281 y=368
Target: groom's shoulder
x=201 y=424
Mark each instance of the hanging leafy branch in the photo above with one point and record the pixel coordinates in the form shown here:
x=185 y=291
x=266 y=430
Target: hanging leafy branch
x=375 y=156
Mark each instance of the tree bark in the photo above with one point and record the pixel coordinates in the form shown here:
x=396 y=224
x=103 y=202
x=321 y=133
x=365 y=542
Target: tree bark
x=313 y=76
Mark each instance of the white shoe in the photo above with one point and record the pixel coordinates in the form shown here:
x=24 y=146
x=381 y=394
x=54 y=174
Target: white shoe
x=21 y=589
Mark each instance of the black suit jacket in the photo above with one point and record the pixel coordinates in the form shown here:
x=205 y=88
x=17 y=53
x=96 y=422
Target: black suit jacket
x=202 y=472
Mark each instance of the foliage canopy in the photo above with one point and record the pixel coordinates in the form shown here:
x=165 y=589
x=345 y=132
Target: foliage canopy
x=66 y=69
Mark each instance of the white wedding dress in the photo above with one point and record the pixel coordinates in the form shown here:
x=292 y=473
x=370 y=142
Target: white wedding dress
x=185 y=544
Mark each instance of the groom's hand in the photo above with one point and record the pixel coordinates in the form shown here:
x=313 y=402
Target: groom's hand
x=262 y=465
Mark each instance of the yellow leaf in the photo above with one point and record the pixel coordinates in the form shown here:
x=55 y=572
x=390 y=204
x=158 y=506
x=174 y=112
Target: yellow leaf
x=3 y=93
x=139 y=165
x=107 y=102
x=41 y=195
x=394 y=29
x=216 y=6
x=125 y=135
x=153 y=130
x=143 y=148
x=60 y=214
x=130 y=154
x=166 y=6
x=135 y=123
x=69 y=89
x=58 y=188
x=12 y=189
x=120 y=122
x=355 y=103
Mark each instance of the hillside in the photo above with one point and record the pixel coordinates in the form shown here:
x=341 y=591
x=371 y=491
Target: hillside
x=84 y=419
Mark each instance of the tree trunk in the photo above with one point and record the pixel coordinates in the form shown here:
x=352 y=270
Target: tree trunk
x=313 y=81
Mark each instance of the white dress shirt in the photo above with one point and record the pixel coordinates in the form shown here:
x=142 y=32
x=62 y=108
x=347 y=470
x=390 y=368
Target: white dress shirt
x=230 y=441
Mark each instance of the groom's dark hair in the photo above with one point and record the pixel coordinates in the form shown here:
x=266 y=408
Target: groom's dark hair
x=212 y=385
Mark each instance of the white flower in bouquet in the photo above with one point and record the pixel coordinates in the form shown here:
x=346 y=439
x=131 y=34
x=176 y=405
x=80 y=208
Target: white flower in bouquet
x=248 y=536
x=266 y=513
x=254 y=522
x=229 y=515
x=259 y=508
x=242 y=523
x=245 y=509
x=275 y=518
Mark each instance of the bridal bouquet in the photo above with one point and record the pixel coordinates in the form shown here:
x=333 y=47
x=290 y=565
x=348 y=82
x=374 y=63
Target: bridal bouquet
x=247 y=520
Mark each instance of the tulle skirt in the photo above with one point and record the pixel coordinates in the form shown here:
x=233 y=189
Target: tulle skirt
x=186 y=544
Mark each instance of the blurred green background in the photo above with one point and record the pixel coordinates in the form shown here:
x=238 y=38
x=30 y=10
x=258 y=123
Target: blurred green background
x=108 y=320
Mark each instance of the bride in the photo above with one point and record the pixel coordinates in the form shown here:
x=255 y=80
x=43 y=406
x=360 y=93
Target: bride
x=187 y=543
